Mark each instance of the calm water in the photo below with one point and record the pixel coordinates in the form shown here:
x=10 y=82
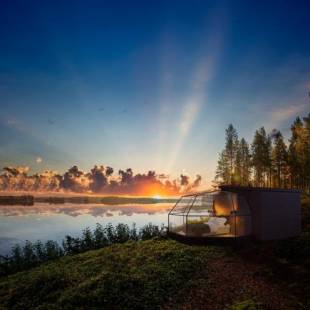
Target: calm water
x=53 y=221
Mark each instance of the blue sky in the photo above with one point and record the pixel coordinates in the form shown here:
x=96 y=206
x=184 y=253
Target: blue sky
x=146 y=85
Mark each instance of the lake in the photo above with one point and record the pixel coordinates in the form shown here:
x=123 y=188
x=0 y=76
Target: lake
x=46 y=221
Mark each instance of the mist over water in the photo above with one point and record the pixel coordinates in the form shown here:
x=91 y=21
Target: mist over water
x=44 y=221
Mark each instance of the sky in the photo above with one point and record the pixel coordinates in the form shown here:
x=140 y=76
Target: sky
x=147 y=85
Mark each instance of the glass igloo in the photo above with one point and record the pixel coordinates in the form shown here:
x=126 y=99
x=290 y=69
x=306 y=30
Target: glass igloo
x=219 y=214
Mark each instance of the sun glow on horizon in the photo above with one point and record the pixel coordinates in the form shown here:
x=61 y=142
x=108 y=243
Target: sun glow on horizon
x=157 y=196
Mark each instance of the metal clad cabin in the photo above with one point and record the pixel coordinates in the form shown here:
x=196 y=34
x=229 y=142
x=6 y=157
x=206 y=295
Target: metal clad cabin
x=237 y=212
x=276 y=213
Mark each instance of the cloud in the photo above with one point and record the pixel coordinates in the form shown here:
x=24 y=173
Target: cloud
x=197 y=181
x=11 y=122
x=39 y=160
x=278 y=116
x=100 y=179
x=184 y=180
x=15 y=171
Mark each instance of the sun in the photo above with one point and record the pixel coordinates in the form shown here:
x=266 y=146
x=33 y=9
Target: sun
x=156 y=196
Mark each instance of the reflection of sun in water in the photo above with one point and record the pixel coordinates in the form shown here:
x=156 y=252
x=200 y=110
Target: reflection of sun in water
x=156 y=197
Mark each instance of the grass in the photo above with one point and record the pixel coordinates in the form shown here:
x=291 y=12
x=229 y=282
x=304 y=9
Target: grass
x=134 y=275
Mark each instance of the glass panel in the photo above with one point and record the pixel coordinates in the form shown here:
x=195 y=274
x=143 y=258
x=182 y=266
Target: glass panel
x=210 y=216
x=197 y=226
x=183 y=205
x=177 y=224
x=203 y=205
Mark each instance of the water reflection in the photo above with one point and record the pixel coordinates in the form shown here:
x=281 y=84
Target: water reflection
x=53 y=221
x=82 y=209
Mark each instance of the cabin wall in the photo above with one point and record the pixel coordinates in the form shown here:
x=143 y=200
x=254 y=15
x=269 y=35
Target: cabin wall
x=281 y=215
x=254 y=200
x=276 y=214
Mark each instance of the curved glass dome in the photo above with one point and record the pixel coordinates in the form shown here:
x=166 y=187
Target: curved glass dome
x=210 y=214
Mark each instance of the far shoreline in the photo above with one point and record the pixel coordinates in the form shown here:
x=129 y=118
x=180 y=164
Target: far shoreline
x=30 y=198
x=75 y=194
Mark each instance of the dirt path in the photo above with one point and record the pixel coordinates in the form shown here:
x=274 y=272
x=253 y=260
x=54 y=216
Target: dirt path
x=230 y=280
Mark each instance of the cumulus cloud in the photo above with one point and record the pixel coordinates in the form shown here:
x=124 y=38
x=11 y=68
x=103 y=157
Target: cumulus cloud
x=15 y=171
x=197 y=181
x=184 y=180
x=100 y=180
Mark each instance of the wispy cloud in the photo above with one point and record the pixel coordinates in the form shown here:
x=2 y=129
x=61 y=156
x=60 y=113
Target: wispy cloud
x=282 y=117
x=285 y=113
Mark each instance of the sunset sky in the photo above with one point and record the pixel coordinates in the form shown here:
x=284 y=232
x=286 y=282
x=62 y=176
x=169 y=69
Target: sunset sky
x=149 y=85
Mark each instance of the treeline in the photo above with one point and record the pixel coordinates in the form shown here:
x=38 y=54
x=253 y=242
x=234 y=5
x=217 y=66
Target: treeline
x=268 y=161
x=32 y=254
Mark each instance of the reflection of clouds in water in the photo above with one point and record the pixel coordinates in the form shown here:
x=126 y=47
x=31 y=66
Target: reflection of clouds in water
x=69 y=211
x=100 y=211
x=97 y=211
x=75 y=210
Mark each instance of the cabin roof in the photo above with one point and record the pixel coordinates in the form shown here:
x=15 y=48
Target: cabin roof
x=260 y=189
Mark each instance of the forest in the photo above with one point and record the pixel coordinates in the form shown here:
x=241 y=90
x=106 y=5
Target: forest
x=268 y=161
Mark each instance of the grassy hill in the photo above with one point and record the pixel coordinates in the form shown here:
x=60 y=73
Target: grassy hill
x=150 y=275
x=134 y=275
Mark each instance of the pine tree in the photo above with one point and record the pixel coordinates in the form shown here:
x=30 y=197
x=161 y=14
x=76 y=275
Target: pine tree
x=306 y=140
x=227 y=159
x=296 y=157
x=279 y=160
x=268 y=161
x=231 y=149
x=222 y=171
x=261 y=158
x=243 y=164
